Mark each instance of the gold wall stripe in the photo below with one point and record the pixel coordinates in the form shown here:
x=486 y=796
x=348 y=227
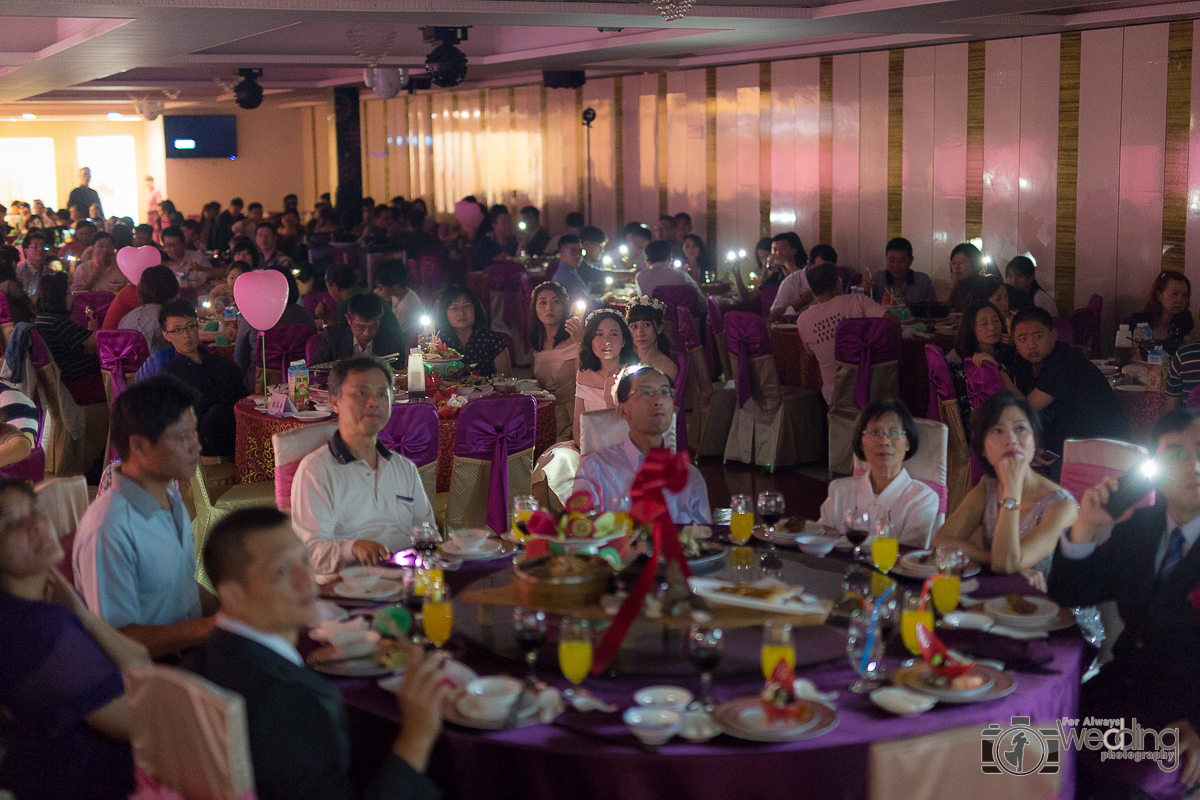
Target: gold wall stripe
x=825 y=176
x=1068 y=169
x=312 y=110
x=764 y=148
x=976 y=83
x=545 y=133
x=364 y=117
x=710 y=160
x=429 y=166
x=485 y=167
x=663 y=145
x=387 y=154
x=580 y=153
x=619 y=155
x=1175 y=161
x=895 y=142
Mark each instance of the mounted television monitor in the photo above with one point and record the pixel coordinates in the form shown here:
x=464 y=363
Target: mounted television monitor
x=211 y=136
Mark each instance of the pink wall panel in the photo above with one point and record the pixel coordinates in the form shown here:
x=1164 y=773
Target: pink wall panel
x=737 y=157
x=845 y=159
x=648 y=145
x=1192 y=252
x=872 y=159
x=1143 y=133
x=796 y=148
x=677 y=139
x=631 y=155
x=1038 y=182
x=1001 y=148
x=598 y=95
x=696 y=83
x=949 y=159
x=527 y=155
x=917 y=187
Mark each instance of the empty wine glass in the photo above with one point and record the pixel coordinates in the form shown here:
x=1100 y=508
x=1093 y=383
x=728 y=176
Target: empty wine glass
x=864 y=648
x=705 y=646
x=771 y=508
x=529 y=629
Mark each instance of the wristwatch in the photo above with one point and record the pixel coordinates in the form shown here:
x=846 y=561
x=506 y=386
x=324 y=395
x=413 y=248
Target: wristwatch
x=1010 y=503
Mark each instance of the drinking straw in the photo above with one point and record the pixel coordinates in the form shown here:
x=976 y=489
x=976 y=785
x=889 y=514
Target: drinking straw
x=869 y=645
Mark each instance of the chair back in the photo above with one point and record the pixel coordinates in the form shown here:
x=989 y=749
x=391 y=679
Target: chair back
x=284 y=344
x=1085 y=323
x=428 y=271
x=1088 y=461
x=1064 y=330
x=767 y=294
x=98 y=302
x=928 y=465
x=62 y=501
x=679 y=296
x=291 y=446
x=849 y=277
x=5 y=311
x=489 y=433
x=600 y=429
x=311 y=300
x=941 y=385
x=748 y=338
x=311 y=347
x=188 y=735
x=413 y=430
x=509 y=296
x=121 y=353
x=982 y=382
x=716 y=324
x=693 y=385
x=864 y=342
x=31 y=468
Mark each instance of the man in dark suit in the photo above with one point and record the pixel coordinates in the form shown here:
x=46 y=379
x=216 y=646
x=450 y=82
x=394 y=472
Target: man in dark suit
x=1149 y=566
x=299 y=734
x=360 y=332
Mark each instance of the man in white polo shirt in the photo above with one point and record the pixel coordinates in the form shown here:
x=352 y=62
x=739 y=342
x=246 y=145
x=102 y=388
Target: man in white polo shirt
x=354 y=501
x=818 y=323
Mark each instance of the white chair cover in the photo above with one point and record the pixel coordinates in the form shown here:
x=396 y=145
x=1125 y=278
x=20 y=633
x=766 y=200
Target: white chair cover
x=779 y=425
x=188 y=734
x=928 y=464
x=63 y=501
x=291 y=446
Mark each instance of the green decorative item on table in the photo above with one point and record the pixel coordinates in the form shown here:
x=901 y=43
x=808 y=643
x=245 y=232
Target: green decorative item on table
x=391 y=619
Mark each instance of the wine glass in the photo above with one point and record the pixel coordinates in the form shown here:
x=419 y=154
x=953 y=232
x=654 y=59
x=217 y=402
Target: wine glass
x=776 y=645
x=705 y=646
x=529 y=629
x=437 y=613
x=574 y=649
x=864 y=648
x=909 y=617
x=743 y=566
x=425 y=542
x=523 y=508
x=741 y=518
x=771 y=508
x=946 y=589
x=856 y=583
x=856 y=527
x=885 y=549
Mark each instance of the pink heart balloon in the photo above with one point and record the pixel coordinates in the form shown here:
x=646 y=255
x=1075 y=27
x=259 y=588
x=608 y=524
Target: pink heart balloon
x=133 y=261
x=261 y=297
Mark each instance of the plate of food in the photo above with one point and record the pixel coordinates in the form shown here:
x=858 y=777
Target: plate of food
x=383 y=590
x=982 y=683
x=787 y=531
x=745 y=718
x=1022 y=611
x=767 y=594
x=921 y=564
x=389 y=656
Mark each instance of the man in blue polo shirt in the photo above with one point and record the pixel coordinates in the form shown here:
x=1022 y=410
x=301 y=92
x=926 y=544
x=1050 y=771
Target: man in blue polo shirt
x=134 y=557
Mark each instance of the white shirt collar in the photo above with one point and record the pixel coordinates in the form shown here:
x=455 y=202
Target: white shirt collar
x=892 y=490
x=271 y=641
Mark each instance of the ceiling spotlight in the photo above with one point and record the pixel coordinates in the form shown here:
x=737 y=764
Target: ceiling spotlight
x=446 y=65
x=248 y=93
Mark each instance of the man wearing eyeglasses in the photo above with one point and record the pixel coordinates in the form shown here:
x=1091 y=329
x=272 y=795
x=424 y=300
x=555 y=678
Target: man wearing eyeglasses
x=1150 y=566
x=36 y=263
x=646 y=401
x=218 y=380
x=360 y=333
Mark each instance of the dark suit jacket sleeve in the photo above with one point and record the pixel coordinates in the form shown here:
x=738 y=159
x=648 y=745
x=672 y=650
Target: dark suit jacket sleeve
x=296 y=747
x=397 y=780
x=325 y=349
x=1091 y=580
x=388 y=341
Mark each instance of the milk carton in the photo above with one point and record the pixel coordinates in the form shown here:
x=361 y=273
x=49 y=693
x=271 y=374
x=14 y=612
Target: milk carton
x=1156 y=375
x=298 y=382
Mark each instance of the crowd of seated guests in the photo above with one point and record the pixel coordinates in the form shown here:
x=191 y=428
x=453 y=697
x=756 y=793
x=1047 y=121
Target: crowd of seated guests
x=463 y=325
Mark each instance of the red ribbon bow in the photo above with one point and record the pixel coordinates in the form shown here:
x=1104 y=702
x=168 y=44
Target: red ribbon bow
x=661 y=471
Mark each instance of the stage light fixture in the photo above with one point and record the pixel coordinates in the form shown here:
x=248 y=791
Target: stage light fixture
x=248 y=94
x=446 y=65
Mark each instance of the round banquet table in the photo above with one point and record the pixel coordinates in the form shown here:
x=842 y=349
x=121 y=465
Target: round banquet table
x=868 y=754
x=254 y=455
x=1143 y=408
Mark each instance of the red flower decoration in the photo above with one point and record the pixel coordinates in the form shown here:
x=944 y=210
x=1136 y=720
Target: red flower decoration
x=542 y=523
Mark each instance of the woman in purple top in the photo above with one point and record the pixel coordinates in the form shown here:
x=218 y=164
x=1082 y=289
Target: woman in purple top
x=66 y=732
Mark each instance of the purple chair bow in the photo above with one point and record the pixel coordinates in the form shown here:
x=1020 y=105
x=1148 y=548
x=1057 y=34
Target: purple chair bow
x=716 y=324
x=767 y=295
x=1085 y=322
x=31 y=468
x=748 y=337
x=865 y=342
x=5 y=311
x=941 y=385
x=687 y=338
x=849 y=277
x=431 y=269
x=121 y=352
x=285 y=344
x=677 y=296
x=98 y=302
x=311 y=300
x=489 y=429
x=982 y=382
x=510 y=280
x=412 y=431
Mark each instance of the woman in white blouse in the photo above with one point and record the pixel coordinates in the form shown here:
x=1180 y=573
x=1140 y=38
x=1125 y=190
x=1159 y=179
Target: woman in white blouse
x=884 y=437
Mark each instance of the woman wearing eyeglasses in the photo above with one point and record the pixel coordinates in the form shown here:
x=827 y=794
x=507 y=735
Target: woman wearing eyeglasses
x=1012 y=519
x=885 y=436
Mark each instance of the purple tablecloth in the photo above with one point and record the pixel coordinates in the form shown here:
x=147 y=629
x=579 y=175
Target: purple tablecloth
x=547 y=761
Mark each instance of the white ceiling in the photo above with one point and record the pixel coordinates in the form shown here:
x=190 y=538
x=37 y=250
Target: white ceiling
x=64 y=57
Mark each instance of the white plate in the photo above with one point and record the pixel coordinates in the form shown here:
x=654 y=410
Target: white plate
x=968 y=619
x=365 y=667
x=791 y=603
x=457 y=672
x=1003 y=684
x=922 y=684
x=1045 y=616
x=327 y=629
x=744 y=719
x=310 y=416
x=491 y=548
x=384 y=590
x=330 y=612
x=787 y=538
x=902 y=702
x=909 y=567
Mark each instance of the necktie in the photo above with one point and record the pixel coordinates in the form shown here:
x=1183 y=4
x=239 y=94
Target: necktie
x=1173 y=557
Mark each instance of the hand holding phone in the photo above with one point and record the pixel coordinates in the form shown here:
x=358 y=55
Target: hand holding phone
x=1132 y=488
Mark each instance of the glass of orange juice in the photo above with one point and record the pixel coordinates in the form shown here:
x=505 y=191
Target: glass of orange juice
x=574 y=649
x=776 y=645
x=522 y=509
x=909 y=617
x=437 y=613
x=741 y=518
x=885 y=549
x=950 y=560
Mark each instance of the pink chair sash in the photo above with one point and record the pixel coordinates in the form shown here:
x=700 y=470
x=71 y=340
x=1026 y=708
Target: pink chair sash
x=716 y=324
x=865 y=342
x=285 y=344
x=941 y=385
x=982 y=382
x=748 y=337
x=511 y=281
x=121 y=352
x=285 y=475
x=1078 y=477
x=431 y=268
x=5 y=311
x=311 y=300
x=768 y=295
x=38 y=350
x=147 y=788
x=97 y=301
x=488 y=429
x=1193 y=398
x=31 y=468
x=686 y=339
x=412 y=431
x=679 y=297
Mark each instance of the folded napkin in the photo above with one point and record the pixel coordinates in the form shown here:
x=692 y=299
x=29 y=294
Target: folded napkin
x=1022 y=656
x=807 y=690
x=551 y=703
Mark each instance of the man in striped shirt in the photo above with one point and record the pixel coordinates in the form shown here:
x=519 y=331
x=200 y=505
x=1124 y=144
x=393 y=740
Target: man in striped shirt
x=18 y=425
x=1184 y=373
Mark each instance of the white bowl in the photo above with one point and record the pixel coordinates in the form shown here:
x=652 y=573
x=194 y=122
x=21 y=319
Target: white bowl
x=902 y=701
x=361 y=579
x=698 y=727
x=816 y=544
x=672 y=697
x=493 y=695
x=470 y=539
x=651 y=725
x=355 y=644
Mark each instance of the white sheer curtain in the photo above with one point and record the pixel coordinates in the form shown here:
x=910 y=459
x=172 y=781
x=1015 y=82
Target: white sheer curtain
x=28 y=171
x=113 y=162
